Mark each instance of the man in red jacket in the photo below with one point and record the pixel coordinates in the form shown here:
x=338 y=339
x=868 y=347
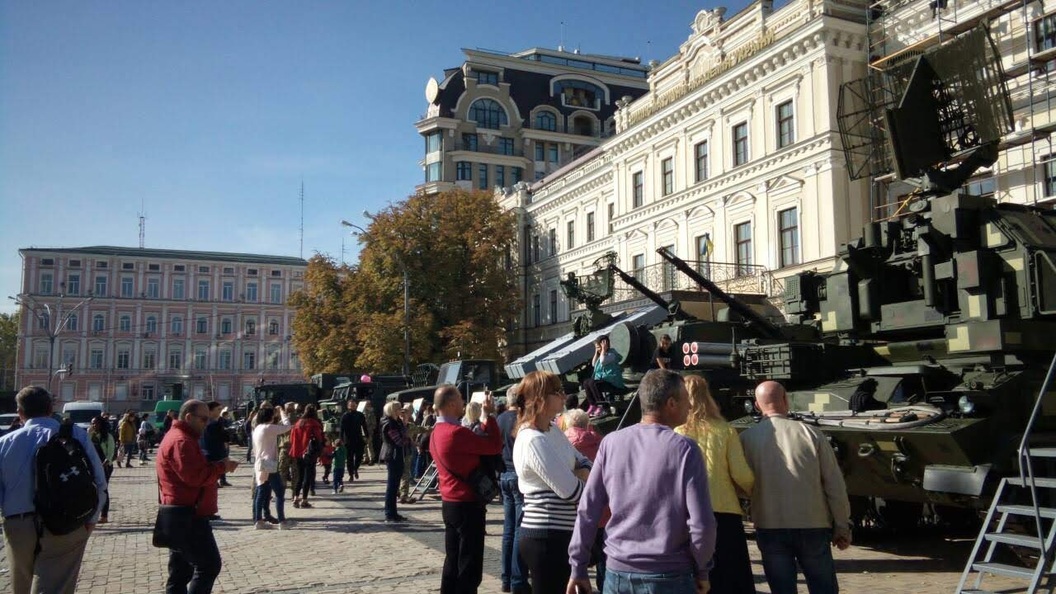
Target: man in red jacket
x=185 y=477
x=457 y=451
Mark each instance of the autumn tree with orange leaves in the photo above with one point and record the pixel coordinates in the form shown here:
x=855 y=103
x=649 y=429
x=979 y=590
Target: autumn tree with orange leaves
x=463 y=296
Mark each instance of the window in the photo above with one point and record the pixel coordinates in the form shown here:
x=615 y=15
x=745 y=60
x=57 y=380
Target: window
x=100 y=286
x=153 y=288
x=670 y=277
x=517 y=175
x=536 y=256
x=44 y=321
x=500 y=176
x=273 y=358
x=540 y=151
x=786 y=133
x=251 y=326
x=128 y=266
x=276 y=273
x=985 y=187
x=788 y=229
x=488 y=78
x=463 y=171
x=577 y=93
x=482 y=177
x=126 y=286
x=552 y=237
x=225 y=326
x=583 y=126
x=740 y=144
x=180 y=268
x=199 y=358
x=612 y=215
x=100 y=265
x=203 y=290
x=667 y=174
x=149 y=359
x=152 y=325
x=201 y=325
x=700 y=152
x=1049 y=165
x=249 y=360
x=224 y=361
x=434 y=172
x=98 y=323
x=148 y=392
x=434 y=141
x=537 y=314
x=590 y=226
x=1045 y=32
x=553 y=306
x=544 y=120
x=704 y=251
x=124 y=323
x=123 y=359
x=176 y=324
x=276 y=293
x=75 y=263
x=229 y=270
x=638 y=189
x=552 y=153
x=40 y=358
x=95 y=359
x=251 y=271
x=742 y=234
x=73 y=284
x=638 y=267
x=506 y=146
x=273 y=327
x=227 y=291
x=47 y=283
x=72 y=322
x=203 y=270
x=69 y=356
x=154 y=267
x=175 y=358
x=570 y=235
x=251 y=292
x=177 y=288
x=487 y=113
x=47 y=261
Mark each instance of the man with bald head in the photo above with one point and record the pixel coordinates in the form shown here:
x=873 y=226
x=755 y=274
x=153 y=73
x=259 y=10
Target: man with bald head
x=799 y=502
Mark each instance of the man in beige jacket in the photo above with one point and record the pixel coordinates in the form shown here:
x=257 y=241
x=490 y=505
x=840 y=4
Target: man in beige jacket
x=799 y=502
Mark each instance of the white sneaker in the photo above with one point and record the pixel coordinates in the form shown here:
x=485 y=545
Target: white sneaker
x=261 y=525
x=286 y=525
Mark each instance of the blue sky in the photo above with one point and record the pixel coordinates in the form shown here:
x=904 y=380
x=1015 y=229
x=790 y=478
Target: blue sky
x=210 y=114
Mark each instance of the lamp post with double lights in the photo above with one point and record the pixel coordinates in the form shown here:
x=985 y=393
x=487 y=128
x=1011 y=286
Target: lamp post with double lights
x=406 y=298
x=42 y=312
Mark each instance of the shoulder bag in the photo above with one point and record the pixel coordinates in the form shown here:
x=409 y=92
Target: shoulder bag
x=481 y=482
x=172 y=527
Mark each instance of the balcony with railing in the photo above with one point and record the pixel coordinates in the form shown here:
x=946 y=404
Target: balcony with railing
x=481 y=147
x=737 y=279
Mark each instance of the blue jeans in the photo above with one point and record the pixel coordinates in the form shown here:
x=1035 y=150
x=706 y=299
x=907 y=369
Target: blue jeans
x=618 y=582
x=264 y=492
x=783 y=547
x=513 y=509
x=392 y=485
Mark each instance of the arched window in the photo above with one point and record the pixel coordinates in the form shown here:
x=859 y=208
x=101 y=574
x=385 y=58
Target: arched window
x=487 y=113
x=583 y=126
x=544 y=120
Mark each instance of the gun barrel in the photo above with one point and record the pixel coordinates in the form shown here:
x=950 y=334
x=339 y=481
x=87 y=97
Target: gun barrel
x=644 y=290
x=756 y=320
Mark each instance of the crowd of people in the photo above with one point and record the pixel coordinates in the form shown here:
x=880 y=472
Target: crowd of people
x=654 y=507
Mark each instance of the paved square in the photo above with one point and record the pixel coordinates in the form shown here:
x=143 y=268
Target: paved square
x=342 y=545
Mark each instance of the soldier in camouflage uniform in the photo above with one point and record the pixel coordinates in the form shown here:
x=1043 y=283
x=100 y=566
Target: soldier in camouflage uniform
x=287 y=469
x=372 y=426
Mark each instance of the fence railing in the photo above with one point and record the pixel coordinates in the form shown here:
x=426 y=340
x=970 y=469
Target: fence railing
x=743 y=279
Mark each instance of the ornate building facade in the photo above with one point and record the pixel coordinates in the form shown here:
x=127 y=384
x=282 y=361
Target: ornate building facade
x=500 y=119
x=127 y=325
x=732 y=160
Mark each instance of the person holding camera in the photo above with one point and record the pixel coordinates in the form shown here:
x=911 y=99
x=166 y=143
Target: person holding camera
x=607 y=376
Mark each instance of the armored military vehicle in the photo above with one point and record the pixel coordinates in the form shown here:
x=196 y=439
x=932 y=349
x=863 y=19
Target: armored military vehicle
x=955 y=293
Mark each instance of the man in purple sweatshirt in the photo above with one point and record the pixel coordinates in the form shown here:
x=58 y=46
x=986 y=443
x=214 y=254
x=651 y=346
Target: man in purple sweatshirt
x=662 y=532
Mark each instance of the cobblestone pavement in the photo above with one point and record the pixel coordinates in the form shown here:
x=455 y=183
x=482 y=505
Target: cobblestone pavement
x=342 y=545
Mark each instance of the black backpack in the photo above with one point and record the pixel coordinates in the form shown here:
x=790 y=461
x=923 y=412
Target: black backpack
x=66 y=496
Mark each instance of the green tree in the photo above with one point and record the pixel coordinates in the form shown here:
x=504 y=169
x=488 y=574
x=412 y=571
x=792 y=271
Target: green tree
x=8 y=350
x=453 y=247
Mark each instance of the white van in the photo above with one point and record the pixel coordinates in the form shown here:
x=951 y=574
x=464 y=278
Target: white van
x=82 y=413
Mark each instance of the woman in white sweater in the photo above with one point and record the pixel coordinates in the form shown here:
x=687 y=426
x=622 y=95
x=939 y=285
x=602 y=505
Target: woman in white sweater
x=550 y=474
x=266 y=444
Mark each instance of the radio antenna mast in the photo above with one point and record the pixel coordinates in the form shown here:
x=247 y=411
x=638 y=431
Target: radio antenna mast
x=142 y=224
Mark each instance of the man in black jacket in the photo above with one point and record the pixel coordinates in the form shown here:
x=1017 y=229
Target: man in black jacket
x=214 y=439
x=354 y=435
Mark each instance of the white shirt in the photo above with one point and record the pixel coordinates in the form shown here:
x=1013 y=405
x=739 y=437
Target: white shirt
x=266 y=445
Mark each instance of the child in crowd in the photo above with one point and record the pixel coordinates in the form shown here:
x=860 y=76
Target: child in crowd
x=338 y=461
x=326 y=458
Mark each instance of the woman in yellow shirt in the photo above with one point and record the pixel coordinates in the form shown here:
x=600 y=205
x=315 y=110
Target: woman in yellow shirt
x=728 y=475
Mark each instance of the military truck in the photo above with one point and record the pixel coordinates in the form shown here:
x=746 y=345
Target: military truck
x=470 y=375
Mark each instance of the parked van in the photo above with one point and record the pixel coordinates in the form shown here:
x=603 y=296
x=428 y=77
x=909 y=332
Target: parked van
x=162 y=408
x=82 y=413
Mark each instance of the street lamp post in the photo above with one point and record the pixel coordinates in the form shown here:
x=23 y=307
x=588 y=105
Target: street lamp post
x=43 y=313
x=406 y=299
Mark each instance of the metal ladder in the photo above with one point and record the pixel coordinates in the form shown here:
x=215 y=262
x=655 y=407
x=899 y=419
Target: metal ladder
x=1002 y=510
x=427 y=483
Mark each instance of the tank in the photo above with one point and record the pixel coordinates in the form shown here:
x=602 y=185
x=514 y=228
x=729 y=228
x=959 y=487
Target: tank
x=935 y=325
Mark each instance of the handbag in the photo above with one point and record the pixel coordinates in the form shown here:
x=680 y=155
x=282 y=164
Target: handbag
x=172 y=526
x=481 y=482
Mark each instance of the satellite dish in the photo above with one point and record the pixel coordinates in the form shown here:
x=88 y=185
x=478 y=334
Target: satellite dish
x=432 y=89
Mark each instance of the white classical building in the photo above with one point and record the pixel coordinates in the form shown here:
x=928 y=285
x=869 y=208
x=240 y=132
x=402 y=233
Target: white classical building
x=732 y=159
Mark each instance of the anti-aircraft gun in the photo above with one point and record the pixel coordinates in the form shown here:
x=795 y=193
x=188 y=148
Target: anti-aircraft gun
x=956 y=292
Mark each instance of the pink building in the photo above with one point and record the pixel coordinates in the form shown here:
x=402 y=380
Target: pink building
x=133 y=325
